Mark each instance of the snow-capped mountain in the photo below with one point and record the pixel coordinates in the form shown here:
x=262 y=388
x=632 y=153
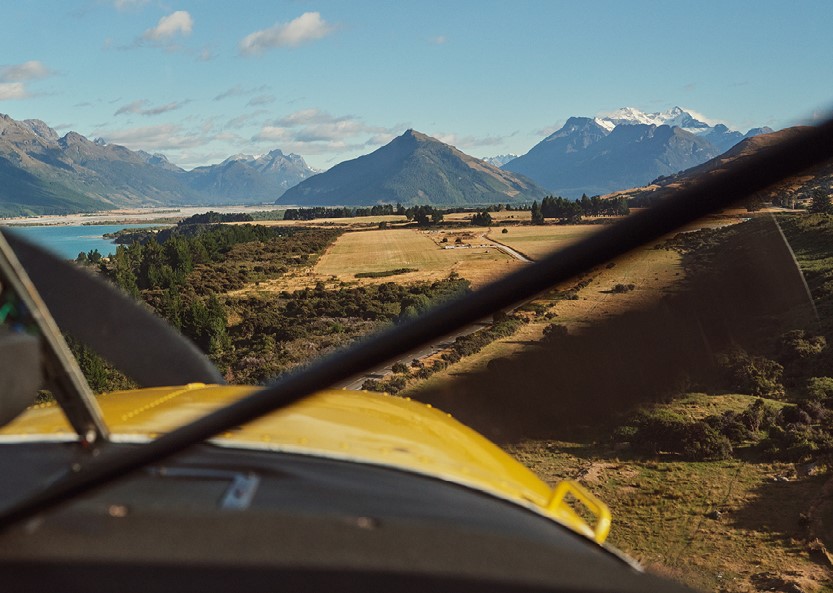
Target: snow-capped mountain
x=584 y=157
x=499 y=160
x=246 y=176
x=622 y=149
x=676 y=116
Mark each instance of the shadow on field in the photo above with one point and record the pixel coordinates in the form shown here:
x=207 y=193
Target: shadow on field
x=780 y=508
x=741 y=291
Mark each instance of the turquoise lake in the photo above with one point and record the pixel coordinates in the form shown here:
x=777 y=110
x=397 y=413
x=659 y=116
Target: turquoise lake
x=68 y=241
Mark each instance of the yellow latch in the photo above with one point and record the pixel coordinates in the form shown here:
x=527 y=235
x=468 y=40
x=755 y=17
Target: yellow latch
x=591 y=503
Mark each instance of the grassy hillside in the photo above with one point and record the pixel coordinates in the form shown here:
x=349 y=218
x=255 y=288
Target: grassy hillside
x=26 y=194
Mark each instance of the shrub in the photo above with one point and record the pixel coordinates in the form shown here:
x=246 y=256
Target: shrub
x=395 y=384
x=372 y=385
x=451 y=356
x=621 y=288
x=796 y=344
x=555 y=331
x=797 y=442
x=754 y=375
x=815 y=410
x=399 y=367
x=730 y=425
x=820 y=388
x=793 y=415
x=758 y=416
x=666 y=432
x=701 y=442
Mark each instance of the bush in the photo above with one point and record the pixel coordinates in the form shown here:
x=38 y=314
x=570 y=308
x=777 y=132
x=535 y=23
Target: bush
x=798 y=442
x=451 y=356
x=758 y=416
x=701 y=442
x=754 y=375
x=731 y=425
x=665 y=432
x=820 y=388
x=372 y=385
x=658 y=432
x=395 y=384
x=554 y=331
x=793 y=415
x=621 y=288
x=797 y=344
x=399 y=367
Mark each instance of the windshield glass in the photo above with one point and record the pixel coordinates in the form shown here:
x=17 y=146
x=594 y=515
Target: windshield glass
x=282 y=182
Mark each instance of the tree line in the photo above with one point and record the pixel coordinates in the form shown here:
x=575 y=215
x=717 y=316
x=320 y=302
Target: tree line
x=571 y=211
x=182 y=276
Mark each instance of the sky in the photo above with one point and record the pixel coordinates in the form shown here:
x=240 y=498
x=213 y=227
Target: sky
x=200 y=80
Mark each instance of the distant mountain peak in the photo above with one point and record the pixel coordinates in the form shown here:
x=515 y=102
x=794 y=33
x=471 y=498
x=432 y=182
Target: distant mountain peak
x=500 y=159
x=676 y=116
x=43 y=172
x=419 y=136
x=601 y=155
x=238 y=157
x=41 y=129
x=413 y=168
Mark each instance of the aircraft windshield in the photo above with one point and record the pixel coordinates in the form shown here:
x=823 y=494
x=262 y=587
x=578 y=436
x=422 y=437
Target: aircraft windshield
x=640 y=303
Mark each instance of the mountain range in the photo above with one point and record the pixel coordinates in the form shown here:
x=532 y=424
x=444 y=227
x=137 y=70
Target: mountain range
x=413 y=169
x=627 y=148
x=792 y=189
x=44 y=173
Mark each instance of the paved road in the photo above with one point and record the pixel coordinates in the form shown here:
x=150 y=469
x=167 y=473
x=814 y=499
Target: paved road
x=506 y=249
x=380 y=372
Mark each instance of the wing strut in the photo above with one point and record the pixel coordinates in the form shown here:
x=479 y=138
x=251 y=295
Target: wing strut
x=63 y=375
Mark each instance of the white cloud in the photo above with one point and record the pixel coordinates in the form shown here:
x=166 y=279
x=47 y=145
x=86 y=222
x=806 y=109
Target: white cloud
x=305 y=117
x=134 y=107
x=261 y=100
x=31 y=70
x=163 y=108
x=439 y=40
x=699 y=116
x=312 y=131
x=243 y=119
x=12 y=90
x=550 y=130
x=153 y=138
x=128 y=4
x=304 y=29
x=469 y=141
x=139 y=108
x=273 y=134
x=176 y=23
x=240 y=91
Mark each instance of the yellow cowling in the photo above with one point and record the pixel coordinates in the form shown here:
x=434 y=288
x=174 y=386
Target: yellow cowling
x=355 y=426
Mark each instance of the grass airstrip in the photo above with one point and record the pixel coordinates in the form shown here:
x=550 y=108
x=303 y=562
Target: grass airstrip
x=723 y=526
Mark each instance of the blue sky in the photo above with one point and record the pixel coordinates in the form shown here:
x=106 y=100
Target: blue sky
x=331 y=80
